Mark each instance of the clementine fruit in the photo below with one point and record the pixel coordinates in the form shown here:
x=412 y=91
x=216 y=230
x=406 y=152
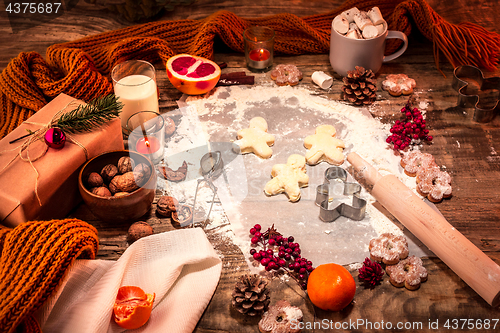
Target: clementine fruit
x=331 y=287
x=192 y=75
x=132 y=307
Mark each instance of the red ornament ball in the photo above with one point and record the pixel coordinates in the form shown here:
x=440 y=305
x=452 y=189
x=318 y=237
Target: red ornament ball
x=55 y=138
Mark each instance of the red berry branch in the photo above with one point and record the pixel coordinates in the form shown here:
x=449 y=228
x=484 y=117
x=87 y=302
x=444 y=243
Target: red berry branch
x=280 y=252
x=411 y=130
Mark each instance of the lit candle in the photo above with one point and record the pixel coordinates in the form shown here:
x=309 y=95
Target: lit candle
x=259 y=58
x=149 y=146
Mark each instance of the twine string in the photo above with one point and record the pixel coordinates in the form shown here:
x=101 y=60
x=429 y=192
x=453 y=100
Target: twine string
x=39 y=135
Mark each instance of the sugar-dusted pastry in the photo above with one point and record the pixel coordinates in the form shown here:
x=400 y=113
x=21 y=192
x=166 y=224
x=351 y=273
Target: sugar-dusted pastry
x=388 y=248
x=409 y=273
x=415 y=161
x=323 y=146
x=288 y=178
x=397 y=84
x=255 y=139
x=434 y=184
x=286 y=74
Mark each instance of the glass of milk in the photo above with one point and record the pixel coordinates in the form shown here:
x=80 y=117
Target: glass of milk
x=134 y=83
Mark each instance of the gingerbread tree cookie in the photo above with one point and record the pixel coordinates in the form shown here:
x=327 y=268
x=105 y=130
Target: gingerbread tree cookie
x=255 y=139
x=323 y=146
x=288 y=178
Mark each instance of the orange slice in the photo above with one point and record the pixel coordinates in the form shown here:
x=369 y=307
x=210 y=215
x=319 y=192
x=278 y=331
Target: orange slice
x=132 y=307
x=192 y=75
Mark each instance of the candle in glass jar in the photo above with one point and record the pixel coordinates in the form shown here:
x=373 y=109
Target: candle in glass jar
x=148 y=146
x=259 y=58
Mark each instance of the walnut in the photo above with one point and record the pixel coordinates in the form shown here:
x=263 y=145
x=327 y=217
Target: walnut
x=108 y=172
x=174 y=175
x=144 y=169
x=138 y=230
x=125 y=164
x=125 y=182
x=183 y=214
x=169 y=127
x=94 y=180
x=166 y=205
x=101 y=191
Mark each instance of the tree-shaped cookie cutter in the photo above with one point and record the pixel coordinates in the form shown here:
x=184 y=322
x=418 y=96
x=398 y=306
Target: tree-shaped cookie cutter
x=335 y=178
x=212 y=167
x=465 y=100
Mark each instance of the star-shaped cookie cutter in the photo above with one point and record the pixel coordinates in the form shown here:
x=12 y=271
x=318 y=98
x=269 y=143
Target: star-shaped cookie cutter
x=481 y=114
x=336 y=184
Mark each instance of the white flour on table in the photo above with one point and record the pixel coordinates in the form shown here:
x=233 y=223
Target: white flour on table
x=292 y=114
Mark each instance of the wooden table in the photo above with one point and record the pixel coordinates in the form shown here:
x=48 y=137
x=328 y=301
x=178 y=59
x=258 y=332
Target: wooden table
x=468 y=150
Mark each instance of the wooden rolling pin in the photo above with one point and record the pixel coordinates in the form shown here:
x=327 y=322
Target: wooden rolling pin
x=473 y=266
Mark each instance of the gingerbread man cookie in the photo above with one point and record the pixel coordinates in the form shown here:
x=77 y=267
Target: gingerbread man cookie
x=255 y=139
x=323 y=146
x=288 y=178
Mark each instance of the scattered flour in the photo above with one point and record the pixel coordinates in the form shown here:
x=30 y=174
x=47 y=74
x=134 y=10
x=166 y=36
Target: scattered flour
x=293 y=113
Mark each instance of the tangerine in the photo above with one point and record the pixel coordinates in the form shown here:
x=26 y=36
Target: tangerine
x=192 y=75
x=331 y=287
x=132 y=307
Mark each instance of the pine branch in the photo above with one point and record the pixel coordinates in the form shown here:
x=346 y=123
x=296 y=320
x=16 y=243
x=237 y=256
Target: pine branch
x=87 y=117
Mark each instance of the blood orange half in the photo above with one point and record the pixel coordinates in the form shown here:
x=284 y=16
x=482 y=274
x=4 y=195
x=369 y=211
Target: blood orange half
x=132 y=307
x=192 y=75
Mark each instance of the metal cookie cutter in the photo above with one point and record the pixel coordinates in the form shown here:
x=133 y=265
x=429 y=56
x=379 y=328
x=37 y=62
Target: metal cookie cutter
x=212 y=167
x=481 y=114
x=336 y=185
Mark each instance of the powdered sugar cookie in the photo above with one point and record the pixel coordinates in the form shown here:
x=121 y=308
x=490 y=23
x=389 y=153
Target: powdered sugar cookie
x=323 y=146
x=288 y=178
x=398 y=84
x=255 y=139
x=286 y=74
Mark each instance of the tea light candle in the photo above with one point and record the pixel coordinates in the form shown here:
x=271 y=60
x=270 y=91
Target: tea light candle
x=259 y=58
x=149 y=146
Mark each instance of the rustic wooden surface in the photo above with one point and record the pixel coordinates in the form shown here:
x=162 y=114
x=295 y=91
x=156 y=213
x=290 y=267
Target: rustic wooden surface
x=468 y=150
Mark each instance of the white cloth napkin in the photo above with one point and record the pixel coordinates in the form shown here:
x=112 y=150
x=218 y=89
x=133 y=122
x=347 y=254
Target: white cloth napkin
x=181 y=267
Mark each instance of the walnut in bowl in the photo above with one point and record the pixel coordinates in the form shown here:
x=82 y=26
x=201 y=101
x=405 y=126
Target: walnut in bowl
x=129 y=195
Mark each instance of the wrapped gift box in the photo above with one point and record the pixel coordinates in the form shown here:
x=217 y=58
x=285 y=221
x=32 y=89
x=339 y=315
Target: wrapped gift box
x=58 y=168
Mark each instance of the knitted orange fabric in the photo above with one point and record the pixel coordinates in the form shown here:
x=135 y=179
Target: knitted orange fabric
x=35 y=257
x=78 y=68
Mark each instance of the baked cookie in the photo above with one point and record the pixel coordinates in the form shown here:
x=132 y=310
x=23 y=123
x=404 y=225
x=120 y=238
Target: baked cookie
x=434 y=184
x=288 y=178
x=281 y=318
x=398 y=84
x=286 y=74
x=323 y=146
x=415 y=161
x=409 y=273
x=388 y=248
x=255 y=139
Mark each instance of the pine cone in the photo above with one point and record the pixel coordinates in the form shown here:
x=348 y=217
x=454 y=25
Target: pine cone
x=360 y=86
x=250 y=295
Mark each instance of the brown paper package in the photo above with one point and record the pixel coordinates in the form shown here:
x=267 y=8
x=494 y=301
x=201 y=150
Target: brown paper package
x=58 y=168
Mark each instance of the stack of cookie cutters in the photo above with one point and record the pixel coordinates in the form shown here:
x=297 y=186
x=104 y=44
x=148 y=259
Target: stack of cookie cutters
x=212 y=167
x=465 y=100
x=335 y=179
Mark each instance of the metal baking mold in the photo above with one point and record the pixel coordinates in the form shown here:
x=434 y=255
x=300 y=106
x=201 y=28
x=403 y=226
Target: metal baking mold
x=481 y=115
x=336 y=178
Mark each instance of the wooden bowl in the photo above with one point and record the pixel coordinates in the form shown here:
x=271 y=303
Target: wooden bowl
x=124 y=208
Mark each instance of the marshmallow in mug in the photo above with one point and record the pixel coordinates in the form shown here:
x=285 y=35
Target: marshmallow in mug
x=357 y=24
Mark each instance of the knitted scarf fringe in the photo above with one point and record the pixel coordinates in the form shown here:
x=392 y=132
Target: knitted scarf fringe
x=80 y=68
x=34 y=259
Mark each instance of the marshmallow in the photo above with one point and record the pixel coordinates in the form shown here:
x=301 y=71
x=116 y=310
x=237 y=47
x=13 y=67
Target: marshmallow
x=375 y=16
x=353 y=34
x=362 y=20
x=349 y=14
x=380 y=28
x=322 y=79
x=340 y=24
x=370 y=31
